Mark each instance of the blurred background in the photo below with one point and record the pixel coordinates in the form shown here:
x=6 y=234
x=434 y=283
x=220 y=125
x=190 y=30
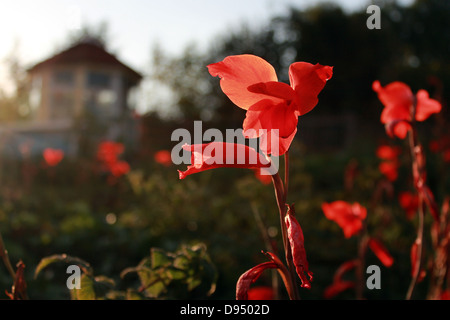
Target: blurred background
x=77 y=74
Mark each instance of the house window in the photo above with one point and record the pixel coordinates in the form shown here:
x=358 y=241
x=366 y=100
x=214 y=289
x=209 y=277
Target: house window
x=98 y=80
x=100 y=97
x=63 y=78
x=62 y=95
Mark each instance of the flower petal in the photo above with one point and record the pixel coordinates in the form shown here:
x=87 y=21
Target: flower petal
x=260 y=293
x=426 y=106
x=265 y=116
x=239 y=72
x=308 y=80
x=387 y=152
x=381 y=252
x=396 y=95
x=398 y=128
x=271 y=143
x=275 y=125
x=221 y=154
x=337 y=287
x=274 y=89
x=249 y=277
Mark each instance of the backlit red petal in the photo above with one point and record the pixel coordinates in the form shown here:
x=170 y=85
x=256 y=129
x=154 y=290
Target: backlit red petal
x=396 y=95
x=238 y=73
x=426 y=106
x=220 y=155
x=308 y=80
x=271 y=143
x=267 y=116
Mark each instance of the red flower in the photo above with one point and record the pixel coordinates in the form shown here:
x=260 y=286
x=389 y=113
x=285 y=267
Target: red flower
x=263 y=178
x=398 y=101
x=272 y=107
x=445 y=295
x=221 y=154
x=348 y=216
x=387 y=152
x=119 y=168
x=52 y=156
x=108 y=154
x=389 y=169
x=381 y=252
x=163 y=157
x=260 y=293
x=409 y=202
x=389 y=166
x=108 y=151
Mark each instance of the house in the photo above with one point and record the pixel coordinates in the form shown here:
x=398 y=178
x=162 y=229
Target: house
x=82 y=92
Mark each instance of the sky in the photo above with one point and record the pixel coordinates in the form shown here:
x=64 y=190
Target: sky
x=36 y=29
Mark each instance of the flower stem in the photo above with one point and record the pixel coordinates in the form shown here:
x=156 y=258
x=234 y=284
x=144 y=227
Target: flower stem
x=281 y=197
x=286 y=175
x=418 y=174
x=362 y=249
x=5 y=258
x=419 y=242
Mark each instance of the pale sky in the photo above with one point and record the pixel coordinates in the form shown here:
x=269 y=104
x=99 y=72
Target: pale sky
x=37 y=27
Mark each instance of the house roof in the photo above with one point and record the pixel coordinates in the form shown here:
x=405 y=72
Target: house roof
x=86 y=52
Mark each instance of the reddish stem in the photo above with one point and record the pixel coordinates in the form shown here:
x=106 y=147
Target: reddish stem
x=418 y=174
x=281 y=202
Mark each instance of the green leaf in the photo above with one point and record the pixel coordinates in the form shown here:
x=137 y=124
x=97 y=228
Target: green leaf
x=45 y=262
x=159 y=258
x=181 y=262
x=175 y=273
x=86 y=291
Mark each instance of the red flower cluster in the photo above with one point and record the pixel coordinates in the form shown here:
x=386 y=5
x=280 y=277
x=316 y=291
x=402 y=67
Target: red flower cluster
x=399 y=103
x=52 y=156
x=347 y=215
x=108 y=154
x=389 y=164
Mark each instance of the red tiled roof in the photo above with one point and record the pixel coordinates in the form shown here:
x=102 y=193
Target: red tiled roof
x=86 y=52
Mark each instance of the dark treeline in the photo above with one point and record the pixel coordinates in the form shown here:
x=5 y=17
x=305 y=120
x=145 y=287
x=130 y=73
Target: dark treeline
x=411 y=46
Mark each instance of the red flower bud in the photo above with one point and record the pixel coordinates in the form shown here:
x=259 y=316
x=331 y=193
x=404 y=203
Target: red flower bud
x=296 y=240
